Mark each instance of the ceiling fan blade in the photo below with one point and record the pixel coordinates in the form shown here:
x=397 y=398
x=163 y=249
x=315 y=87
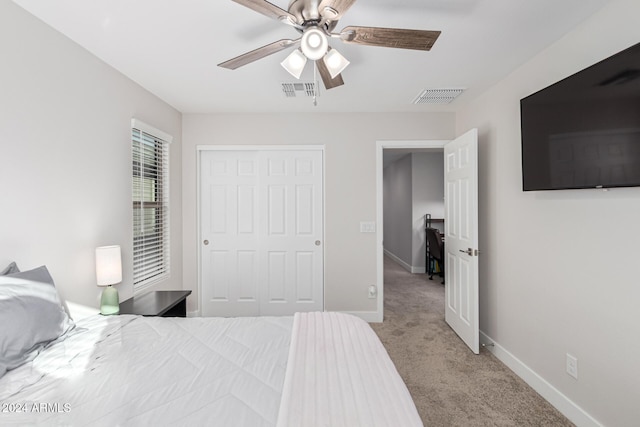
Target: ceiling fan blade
x=258 y=53
x=337 y=8
x=267 y=9
x=390 y=37
x=329 y=83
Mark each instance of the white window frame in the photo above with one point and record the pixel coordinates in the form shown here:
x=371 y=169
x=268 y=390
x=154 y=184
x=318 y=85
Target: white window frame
x=151 y=260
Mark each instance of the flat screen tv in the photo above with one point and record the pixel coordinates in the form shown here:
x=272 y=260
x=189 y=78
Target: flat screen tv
x=584 y=131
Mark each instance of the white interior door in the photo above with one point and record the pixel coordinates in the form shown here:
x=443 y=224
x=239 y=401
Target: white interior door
x=229 y=233
x=261 y=226
x=461 y=237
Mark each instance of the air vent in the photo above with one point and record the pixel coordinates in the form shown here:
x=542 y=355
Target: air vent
x=292 y=90
x=437 y=96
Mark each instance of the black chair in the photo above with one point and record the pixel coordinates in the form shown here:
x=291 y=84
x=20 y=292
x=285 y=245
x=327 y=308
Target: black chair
x=436 y=250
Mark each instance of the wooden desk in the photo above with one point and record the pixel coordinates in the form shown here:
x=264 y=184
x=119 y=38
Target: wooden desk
x=158 y=303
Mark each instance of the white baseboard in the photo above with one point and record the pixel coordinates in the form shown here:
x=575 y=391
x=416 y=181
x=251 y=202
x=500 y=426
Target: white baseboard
x=562 y=403
x=411 y=269
x=367 y=316
x=397 y=259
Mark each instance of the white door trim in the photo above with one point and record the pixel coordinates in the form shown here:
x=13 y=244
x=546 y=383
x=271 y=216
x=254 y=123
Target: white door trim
x=202 y=148
x=380 y=146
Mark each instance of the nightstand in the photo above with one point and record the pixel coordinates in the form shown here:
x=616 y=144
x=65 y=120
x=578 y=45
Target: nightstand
x=157 y=303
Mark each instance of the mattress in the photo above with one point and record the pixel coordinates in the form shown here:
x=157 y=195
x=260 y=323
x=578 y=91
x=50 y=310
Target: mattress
x=319 y=369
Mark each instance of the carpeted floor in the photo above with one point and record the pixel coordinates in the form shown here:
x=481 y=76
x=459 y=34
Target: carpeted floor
x=450 y=385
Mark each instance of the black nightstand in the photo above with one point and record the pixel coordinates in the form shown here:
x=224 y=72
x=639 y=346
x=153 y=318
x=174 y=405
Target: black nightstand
x=158 y=303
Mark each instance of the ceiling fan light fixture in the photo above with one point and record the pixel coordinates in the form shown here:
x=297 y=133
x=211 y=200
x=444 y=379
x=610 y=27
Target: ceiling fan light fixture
x=294 y=63
x=335 y=62
x=314 y=44
x=316 y=20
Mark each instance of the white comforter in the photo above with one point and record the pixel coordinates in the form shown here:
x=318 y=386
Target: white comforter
x=140 y=371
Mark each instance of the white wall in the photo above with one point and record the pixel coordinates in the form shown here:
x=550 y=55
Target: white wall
x=65 y=157
x=350 y=183
x=560 y=270
x=398 y=214
x=427 y=175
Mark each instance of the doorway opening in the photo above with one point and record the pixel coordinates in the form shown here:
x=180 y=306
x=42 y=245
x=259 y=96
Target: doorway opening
x=461 y=232
x=404 y=244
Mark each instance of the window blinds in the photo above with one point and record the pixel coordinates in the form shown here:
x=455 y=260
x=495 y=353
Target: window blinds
x=150 y=192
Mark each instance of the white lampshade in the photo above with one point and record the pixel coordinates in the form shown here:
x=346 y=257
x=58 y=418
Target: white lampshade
x=294 y=63
x=335 y=62
x=314 y=44
x=108 y=265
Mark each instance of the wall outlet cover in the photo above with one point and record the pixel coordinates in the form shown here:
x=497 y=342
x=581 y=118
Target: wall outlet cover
x=572 y=366
x=372 y=291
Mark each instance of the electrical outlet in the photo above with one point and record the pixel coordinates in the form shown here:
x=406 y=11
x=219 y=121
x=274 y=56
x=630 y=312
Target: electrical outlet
x=372 y=291
x=572 y=366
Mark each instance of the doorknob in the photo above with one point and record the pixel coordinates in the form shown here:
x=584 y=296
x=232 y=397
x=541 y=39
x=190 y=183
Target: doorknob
x=317 y=242
x=206 y=242
x=471 y=252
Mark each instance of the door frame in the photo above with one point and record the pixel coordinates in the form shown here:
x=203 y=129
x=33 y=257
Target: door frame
x=201 y=148
x=380 y=147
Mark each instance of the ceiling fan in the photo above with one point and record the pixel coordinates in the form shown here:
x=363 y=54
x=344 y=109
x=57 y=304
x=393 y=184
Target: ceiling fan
x=316 y=20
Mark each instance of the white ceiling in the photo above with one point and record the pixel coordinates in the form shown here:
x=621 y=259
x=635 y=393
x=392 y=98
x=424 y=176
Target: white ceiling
x=172 y=48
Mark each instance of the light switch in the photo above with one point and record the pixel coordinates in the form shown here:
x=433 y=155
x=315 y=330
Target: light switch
x=367 y=227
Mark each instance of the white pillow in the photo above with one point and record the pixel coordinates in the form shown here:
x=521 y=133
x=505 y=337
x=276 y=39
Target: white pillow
x=31 y=316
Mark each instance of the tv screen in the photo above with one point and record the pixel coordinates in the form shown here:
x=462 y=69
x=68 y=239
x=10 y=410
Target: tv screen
x=584 y=131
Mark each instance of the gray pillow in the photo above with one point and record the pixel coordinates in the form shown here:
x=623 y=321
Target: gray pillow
x=31 y=316
x=11 y=269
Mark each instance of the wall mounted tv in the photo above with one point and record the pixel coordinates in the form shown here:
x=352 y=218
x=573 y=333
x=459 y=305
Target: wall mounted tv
x=584 y=131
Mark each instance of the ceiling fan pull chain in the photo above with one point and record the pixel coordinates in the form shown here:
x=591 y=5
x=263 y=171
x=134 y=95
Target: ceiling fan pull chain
x=315 y=84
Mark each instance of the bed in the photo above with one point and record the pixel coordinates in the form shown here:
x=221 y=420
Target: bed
x=310 y=369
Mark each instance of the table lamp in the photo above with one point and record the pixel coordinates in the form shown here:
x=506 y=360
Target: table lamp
x=109 y=273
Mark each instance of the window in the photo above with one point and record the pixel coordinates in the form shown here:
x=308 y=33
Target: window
x=150 y=191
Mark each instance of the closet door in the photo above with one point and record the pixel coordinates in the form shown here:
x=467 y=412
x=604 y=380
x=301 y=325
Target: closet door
x=291 y=232
x=261 y=223
x=229 y=233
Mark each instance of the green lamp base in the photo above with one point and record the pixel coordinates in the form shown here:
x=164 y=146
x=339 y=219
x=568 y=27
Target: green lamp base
x=109 y=303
